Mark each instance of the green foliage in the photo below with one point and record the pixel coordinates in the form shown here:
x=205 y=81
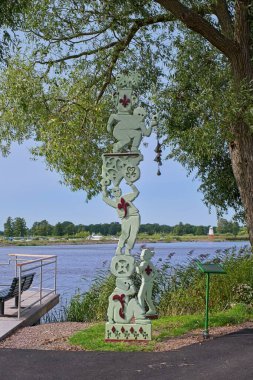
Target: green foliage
x=92 y=305
x=11 y=18
x=56 y=88
x=19 y=227
x=179 y=289
x=199 y=105
x=42 y=228
x=16 y=227
x=8 y=227
x=243 y=293
x=224 y=227
x=62 y=114
x=149 y=231
x=185 y=286
x=92 y=338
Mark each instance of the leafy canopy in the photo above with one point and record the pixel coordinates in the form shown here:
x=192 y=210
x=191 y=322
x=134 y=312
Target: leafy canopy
x=57 y=88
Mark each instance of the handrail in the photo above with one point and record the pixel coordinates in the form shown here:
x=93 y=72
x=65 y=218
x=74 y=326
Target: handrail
x=28 y=255
x=6 y=263
x=45 y=286
x=31 y=262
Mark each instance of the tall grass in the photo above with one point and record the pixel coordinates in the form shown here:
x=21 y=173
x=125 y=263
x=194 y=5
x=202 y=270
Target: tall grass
x=179 y=289
x=185 y=293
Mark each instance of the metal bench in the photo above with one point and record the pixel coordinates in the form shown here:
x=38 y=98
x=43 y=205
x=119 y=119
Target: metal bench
x=13 y=290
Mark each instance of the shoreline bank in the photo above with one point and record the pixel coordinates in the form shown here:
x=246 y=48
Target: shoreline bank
x=37 y=243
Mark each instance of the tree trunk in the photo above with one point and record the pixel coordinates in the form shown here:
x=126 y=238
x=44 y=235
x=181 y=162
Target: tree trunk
x=241 y=151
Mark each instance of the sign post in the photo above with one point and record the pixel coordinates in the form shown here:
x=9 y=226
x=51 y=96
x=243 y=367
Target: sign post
x=209 y=269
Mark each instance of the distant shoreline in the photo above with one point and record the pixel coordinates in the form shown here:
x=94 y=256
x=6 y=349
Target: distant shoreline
x=36 y=243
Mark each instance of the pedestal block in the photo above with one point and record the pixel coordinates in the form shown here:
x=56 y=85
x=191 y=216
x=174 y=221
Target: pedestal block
x=128 y=332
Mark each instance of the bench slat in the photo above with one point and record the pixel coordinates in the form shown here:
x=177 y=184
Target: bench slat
x=13 y=290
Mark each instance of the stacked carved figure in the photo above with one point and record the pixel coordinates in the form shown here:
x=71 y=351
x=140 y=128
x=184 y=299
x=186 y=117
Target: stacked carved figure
x=130 y=310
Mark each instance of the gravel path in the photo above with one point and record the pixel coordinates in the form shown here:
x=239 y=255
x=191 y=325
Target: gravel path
x=54 y=336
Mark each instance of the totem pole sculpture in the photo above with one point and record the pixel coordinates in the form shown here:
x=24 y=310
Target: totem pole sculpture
x=127 y=315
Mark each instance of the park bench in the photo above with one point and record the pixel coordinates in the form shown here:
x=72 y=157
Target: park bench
x=13 y=290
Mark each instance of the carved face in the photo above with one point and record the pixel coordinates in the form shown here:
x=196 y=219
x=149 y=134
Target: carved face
x=126 y=285
x=116 y=192
x=141 y=112
x=146 y=254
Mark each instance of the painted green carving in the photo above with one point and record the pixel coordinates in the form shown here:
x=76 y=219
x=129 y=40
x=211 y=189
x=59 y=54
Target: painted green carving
x=128 y=124
x=128 y=127
x=133 y=331
x=122 y=265
x=124 y=99
x=121 y=308
x=117 y=167
x=128 y=130
x=148 y=274
x=129 y=215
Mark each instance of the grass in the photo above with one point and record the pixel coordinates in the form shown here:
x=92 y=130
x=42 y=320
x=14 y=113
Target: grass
x=92 y=338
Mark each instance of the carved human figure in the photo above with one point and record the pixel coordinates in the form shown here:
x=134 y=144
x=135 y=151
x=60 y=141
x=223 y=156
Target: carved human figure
x=128 y=129
x=148 y=273
x=121 y=308
x=129 y=215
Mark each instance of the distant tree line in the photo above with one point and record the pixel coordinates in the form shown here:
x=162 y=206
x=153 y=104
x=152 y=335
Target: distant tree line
x=17 y=227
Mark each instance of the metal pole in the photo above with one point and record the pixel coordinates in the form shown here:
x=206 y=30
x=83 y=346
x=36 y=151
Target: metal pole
x=41 y=279
x=19 y=292
x=16 y=269
x=55 y=271
x=206 y=331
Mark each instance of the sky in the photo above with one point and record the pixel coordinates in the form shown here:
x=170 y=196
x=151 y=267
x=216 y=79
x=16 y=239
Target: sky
x=31 y=191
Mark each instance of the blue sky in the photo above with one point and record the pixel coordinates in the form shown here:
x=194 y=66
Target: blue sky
x=29 y=190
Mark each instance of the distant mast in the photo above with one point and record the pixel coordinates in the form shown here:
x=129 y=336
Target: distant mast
x=211 y=233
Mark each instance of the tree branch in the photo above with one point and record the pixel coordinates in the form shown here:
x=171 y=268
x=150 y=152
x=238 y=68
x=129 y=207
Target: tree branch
x=221 y=10
x=83 y=53
x=243 y=36
x=70 y=37
x=123 y=44
x=197 y=23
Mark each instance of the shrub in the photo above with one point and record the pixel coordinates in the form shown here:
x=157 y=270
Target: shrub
x=179 y=289
x=186 y=292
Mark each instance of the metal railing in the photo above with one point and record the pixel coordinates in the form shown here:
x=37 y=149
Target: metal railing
x=44 y=282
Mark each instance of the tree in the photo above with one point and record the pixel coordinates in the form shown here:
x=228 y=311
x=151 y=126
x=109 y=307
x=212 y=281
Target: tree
x=222 y=226
x=68 y=228
x=60 y=92
x=19 y=227
x=8 y=227
x=58 y=230
x=42 y=228
x=11 y=17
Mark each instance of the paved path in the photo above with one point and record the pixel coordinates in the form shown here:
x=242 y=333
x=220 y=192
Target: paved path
x=226 y=358
x=29 y=316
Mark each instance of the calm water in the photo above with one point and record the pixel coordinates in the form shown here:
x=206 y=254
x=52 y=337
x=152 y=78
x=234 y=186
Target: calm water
x=77 y=264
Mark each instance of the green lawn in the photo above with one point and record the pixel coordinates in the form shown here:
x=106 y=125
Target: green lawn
x=92 y=339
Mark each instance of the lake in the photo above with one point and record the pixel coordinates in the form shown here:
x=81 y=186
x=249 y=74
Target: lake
x=77 y=264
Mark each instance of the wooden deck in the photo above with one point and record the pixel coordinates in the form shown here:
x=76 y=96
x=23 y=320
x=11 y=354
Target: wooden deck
x=10 y=323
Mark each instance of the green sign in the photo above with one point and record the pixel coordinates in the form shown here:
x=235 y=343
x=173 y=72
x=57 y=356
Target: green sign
x=209 y=269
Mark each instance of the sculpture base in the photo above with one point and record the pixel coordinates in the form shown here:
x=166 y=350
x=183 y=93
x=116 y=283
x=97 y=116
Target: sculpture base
x=128 y=332
x=153 y=316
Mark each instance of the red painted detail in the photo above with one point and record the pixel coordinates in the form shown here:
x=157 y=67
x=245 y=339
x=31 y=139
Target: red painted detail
x=120 y=298
x=148 y=270
x=141 y=330
x=113 y=329
x=123 y=205
x=155 y=316
x=126 y=340
x=122 y=329
x=125 y=101
x=132 y=330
